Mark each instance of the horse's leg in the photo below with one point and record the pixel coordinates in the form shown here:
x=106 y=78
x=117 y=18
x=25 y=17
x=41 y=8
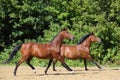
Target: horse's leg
x=17 y=65
x=54 y=62
x=66 y=66
x=63 y=64
x=91 y=59
x=50 y=61
x=96 y=64
x=61 y=59
x=85 y=64
x=28 y=62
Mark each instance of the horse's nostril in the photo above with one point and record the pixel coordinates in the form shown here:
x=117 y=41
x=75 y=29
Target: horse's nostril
x=99 y=41
x=73 y=38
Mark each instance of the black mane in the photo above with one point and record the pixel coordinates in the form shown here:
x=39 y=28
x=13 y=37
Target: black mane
x=83 y=38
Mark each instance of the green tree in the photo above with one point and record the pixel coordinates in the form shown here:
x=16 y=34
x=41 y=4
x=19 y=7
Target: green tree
x=41 y=20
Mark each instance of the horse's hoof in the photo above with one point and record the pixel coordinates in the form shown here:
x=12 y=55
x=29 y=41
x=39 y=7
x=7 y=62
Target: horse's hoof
x=86 y=69
x=101 y=69
x=72 y=71
x=46 y=73
x=34 y=71
x=54 y=70
x=14 y=73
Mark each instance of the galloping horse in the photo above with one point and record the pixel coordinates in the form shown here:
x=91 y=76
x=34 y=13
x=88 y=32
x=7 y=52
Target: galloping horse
x=49 y=51
x=81 y=50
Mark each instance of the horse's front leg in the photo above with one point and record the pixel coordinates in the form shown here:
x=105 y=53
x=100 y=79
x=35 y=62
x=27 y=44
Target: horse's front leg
x=54 y=62
x=50 y=61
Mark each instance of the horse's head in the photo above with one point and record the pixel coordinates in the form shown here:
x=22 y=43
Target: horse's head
x=66 y=35
x=94 y=38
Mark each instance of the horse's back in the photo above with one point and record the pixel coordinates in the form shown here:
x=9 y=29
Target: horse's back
x=41 y=46
x=66 y=47
x=27 y=45
x=41 y=50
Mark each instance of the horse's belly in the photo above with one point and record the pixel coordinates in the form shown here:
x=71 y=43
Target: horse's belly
x=72 y=57
x=44 y=56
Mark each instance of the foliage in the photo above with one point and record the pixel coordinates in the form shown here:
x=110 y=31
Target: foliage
x=40 y=20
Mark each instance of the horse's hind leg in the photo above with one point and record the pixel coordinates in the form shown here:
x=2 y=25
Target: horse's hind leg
x=96 y=64
x=66 y=66
x=91 y=59
x=61 y=59
x=28 y=62
x=17 y=65
x=54 y=62
x=85 y=64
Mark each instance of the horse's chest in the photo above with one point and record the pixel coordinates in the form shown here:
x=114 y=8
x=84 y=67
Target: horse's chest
x=54 y=50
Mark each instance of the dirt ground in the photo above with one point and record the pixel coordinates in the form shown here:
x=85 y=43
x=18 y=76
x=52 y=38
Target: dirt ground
x=25 y=73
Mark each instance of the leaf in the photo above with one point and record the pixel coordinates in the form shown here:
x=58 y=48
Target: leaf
x=63 y=15
x=12 y=15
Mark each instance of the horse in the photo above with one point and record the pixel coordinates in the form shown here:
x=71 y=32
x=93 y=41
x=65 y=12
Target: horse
x=81 y=50
x=48 y=50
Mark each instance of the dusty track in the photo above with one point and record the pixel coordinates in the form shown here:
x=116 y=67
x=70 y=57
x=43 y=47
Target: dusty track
x=25 y=73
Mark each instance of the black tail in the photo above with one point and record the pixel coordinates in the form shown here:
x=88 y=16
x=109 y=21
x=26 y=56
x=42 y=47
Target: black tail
x=13 y=53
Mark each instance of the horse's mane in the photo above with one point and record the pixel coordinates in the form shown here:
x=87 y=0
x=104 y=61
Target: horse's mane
x=83 y=38
x=55 y=36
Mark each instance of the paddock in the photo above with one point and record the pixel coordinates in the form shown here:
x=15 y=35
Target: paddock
x=25 y=73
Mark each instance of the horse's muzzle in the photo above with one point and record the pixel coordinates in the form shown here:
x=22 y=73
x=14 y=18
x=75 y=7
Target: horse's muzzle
x=72 y=38
x=99 y=40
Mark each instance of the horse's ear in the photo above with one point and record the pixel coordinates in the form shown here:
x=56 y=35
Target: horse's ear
x=64 y=29
x=92 y=33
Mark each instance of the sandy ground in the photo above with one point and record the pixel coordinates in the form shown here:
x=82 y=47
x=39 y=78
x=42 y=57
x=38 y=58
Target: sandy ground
x=25 y=73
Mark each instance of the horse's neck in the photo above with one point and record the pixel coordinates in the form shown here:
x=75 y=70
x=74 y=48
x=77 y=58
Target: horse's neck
x=87 y=42
x=57 y=41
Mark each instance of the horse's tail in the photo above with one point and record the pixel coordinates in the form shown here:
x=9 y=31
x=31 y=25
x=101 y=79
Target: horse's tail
x=13 y=53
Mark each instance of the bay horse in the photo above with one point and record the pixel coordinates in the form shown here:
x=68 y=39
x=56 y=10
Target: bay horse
x=81 y=50
x=48 y=50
